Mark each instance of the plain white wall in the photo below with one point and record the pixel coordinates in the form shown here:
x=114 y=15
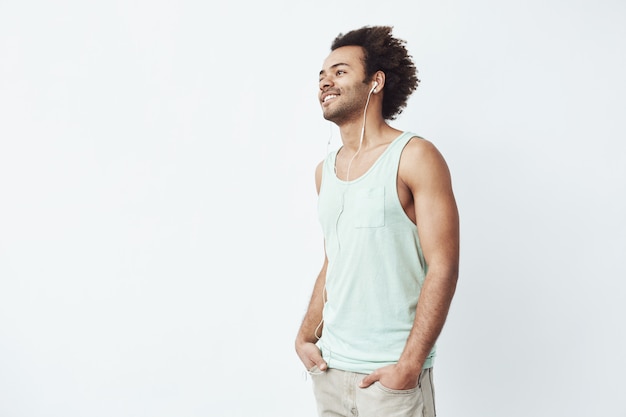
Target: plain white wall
x=158 y=233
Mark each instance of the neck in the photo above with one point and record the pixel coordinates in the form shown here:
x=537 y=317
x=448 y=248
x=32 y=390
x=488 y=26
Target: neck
x=376 y=129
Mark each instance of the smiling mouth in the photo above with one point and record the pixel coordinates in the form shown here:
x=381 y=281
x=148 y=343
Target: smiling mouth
x=329 y=97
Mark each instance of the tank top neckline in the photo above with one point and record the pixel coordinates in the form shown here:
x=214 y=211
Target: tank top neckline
x=371 y=168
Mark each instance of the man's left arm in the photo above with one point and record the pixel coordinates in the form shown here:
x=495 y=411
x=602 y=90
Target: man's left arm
x=424 y=171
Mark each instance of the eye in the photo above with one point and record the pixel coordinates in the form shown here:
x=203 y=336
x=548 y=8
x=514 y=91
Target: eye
x=340 y=72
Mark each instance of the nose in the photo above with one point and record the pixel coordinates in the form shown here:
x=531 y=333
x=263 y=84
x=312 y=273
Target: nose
x=325 y=82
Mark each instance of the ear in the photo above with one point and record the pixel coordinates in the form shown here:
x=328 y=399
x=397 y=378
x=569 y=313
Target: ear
x=379 y=79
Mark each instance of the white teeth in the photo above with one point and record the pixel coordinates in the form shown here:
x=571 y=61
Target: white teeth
x=328 y=97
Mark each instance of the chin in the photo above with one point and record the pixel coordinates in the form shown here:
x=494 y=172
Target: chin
x=328 y=116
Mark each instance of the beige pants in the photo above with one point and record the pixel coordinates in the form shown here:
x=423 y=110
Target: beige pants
x=338 y=395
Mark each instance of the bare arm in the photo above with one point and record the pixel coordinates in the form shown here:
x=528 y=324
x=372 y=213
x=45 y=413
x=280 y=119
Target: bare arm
x=311 y=327
x=425 y=173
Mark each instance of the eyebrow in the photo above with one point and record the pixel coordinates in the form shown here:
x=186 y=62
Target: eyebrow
x=335 y=66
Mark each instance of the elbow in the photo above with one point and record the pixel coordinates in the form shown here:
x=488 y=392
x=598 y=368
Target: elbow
x=445 y=273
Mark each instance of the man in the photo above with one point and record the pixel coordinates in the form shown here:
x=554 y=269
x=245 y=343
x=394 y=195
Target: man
x=391 y=238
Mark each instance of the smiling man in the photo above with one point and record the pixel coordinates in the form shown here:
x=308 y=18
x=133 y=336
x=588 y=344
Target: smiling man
x=391 y=238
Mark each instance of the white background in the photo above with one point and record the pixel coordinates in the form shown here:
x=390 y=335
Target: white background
x=158 y=230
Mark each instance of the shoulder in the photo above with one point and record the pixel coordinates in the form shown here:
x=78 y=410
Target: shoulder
x=422 y=161
x=417 y=148
x=319 y=169
x=420 y=152
x=320 y=165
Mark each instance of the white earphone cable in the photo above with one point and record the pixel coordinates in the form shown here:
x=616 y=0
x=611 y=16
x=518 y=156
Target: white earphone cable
x=362 y=134
x=324 y=298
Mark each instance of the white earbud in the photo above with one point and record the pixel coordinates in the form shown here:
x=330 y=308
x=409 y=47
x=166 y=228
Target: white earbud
x=375 y=85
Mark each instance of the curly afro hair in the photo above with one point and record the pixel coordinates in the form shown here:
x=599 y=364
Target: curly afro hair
x=383 y=52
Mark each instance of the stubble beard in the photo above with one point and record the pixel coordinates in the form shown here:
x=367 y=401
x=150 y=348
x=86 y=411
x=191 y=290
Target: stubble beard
x=348 y=110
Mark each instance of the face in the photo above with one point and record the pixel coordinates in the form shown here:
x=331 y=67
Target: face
x=342 y=92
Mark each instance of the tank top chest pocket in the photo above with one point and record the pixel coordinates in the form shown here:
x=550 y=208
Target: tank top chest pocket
x=370 y=207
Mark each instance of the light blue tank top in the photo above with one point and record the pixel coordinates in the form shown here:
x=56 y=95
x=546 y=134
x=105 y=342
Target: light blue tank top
x=375 y=266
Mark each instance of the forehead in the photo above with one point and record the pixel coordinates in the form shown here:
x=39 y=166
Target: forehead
x=349 y=55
